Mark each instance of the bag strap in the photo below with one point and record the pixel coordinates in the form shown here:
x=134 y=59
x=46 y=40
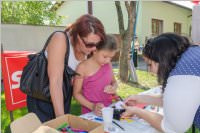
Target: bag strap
x=67 y=42
x=48 y=40
x=68 y=49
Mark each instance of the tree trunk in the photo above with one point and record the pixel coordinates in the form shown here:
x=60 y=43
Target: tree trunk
x=126 y=36
x=123 y=62
x=90 y=7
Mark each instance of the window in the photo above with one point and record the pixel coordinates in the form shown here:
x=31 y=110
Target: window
x=177 y=28
x=157 y=27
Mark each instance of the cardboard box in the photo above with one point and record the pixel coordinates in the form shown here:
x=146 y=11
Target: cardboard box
x=30 y=123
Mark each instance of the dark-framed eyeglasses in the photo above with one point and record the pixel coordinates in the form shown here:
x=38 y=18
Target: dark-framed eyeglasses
x=89 y=44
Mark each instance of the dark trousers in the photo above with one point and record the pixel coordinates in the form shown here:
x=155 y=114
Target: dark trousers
x=44 y=110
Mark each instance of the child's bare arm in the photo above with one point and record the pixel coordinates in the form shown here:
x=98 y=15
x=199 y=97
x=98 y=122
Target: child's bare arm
x=112 y=88
x=78 y=83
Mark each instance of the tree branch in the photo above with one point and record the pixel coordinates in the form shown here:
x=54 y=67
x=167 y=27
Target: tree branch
x=120 y=17
x=131 y=9
x=133 y=12
x=127 y=7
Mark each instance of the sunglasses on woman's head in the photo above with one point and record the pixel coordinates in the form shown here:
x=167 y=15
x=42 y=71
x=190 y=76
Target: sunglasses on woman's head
x=89 y=44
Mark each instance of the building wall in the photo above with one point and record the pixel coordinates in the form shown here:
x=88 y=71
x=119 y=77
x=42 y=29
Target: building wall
x=71 y=10
x=25 y=37
x=28 y=37
x=106 y=12
x=169 y=13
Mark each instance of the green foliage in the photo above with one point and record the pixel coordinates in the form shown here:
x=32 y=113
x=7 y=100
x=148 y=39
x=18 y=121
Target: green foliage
x=29 y=12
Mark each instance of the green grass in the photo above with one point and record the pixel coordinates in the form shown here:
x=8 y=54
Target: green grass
x=5 y=117
x=145 y=81
x=190 y=131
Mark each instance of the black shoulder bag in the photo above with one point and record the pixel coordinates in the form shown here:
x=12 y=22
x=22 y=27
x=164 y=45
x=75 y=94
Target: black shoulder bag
x=34 y=80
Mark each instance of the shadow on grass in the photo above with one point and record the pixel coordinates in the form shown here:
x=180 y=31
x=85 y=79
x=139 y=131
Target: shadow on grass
x=137 y=85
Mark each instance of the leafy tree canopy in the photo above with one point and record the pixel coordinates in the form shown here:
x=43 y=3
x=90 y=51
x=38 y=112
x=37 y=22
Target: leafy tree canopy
x=29 y=12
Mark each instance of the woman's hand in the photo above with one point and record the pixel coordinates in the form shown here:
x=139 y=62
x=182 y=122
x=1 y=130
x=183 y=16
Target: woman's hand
x=110 y=89
x=132 y=100
x=97 y=109
x=144 y=99
x=130 y=111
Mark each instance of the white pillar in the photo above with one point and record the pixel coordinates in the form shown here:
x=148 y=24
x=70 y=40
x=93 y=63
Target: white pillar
x=196 y=24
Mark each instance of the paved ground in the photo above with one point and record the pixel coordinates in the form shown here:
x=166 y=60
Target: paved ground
x=141 y=64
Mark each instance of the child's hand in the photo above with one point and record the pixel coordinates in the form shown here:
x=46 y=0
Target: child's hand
x=110 y=89
x=97 y=109
x=130 y=111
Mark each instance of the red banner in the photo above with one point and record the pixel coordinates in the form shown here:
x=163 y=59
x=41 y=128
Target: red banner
x=196 y=2
x=13 y=63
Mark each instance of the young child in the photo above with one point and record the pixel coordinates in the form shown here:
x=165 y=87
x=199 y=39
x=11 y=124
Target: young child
x=96 y=85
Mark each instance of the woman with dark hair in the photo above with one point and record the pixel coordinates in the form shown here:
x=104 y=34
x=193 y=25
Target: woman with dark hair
x=83 y=35
x=177 y=65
